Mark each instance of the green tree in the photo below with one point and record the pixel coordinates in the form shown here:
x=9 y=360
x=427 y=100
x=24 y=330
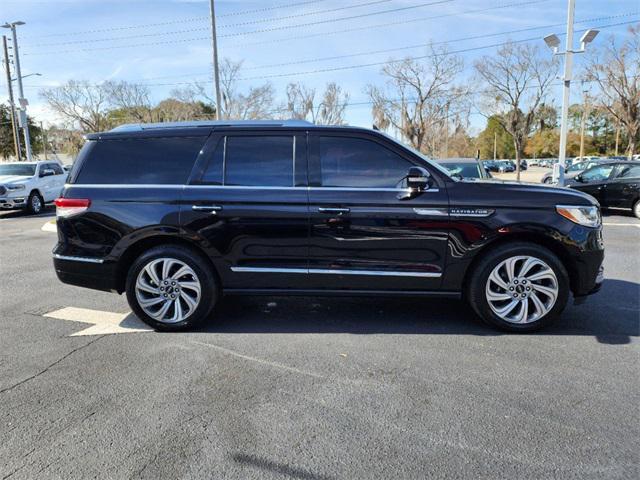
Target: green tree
x=495 y=131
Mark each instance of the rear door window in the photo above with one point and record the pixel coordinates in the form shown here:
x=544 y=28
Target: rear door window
x=257 y=161
x=165 y=160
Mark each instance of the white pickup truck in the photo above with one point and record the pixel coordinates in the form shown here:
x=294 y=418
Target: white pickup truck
x=30 y=185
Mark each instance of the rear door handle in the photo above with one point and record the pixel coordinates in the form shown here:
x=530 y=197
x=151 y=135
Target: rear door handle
x=333 y=211
x=212 y=209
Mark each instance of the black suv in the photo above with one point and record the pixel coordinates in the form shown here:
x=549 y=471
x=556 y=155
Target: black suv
x=176 y=215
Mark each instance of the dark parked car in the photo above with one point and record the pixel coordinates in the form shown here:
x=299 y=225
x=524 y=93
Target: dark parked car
x=613 y=184
x=465 y=168
x=176 y=215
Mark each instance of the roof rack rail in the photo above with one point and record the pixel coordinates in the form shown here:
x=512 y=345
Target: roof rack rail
x=129 y=127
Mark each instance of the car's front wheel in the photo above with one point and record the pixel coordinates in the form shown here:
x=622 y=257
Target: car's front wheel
x=35 y=203
x=519 y=287
x=636 y=209
x=171 y=288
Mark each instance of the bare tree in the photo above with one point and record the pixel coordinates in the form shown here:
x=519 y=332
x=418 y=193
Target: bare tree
x=132 y=99
x=417 y=97
x=516 y=82
x=616 y=70
x=80 y=102
x=256 y=103
x=301 y=104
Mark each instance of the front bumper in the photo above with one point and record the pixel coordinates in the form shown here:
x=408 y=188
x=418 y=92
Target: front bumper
x=13 y=203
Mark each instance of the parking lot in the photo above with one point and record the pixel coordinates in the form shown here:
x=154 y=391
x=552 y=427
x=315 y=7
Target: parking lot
x=313 y=388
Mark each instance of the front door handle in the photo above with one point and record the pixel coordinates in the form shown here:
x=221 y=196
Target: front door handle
x=212 y=209
x=333 y=210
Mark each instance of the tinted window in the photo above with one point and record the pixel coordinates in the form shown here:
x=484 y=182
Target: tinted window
x=22 y=169
x=356 y=162
x=465 y=170
x=597 y=174
x=259 y=161
x=629 y=171
x=141 y=160
x=55 y=167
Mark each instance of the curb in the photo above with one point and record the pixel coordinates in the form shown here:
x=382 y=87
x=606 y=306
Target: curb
x=50 y=226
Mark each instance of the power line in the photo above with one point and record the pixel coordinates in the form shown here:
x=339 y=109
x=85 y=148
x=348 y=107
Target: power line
x=408 y=47
x=164 y=42
x=349 y=67
x=183 y=20
x=232 y=25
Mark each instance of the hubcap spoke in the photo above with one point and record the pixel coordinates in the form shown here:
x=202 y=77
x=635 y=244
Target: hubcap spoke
x=527 y=278
x=162 y=295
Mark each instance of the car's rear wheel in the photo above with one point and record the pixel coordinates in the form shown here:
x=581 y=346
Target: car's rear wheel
x=171 y=288
x=636 y=209
x=35 y=203
x=519 y=287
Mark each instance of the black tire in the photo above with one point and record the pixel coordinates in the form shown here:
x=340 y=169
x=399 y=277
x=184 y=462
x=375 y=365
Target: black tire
x=35 y=203
x=209 y=292
x=476 y=286
x=548 y=180
x=636 y=209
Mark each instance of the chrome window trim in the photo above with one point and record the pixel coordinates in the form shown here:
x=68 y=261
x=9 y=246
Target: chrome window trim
x=323 y=271
x=77 y=259
x=237 y=187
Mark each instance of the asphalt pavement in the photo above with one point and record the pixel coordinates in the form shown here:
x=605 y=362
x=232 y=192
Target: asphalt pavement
x=313 y=388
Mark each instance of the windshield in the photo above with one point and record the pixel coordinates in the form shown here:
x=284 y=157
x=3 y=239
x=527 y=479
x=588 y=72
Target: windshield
x=577 y=166
x=464 y=170
x=21 y=169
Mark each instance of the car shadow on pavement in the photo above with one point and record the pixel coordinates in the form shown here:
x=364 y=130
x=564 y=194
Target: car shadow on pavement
x=281 y=469
x=47 y=211
x=612 y=316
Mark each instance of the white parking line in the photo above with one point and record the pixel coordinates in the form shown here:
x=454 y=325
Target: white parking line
x=622 y=224
x=50 y=226
x=103 y=323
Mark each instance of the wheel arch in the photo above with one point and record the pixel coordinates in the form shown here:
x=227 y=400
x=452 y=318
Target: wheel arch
x=136 y=249
x=554 y=246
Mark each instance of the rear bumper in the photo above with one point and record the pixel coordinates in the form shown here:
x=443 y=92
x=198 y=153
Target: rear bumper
x=86 y=272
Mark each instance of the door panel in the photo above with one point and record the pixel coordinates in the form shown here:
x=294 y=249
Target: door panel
x=367 y=238
x=624 y=190
x=257 y=236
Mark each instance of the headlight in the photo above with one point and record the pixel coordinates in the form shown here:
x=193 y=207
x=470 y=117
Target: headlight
x=15 y=187
x=585 y=216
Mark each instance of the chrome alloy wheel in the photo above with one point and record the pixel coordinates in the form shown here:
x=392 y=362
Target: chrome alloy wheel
x=36 y=204
x=522 y=289
x=168 y=290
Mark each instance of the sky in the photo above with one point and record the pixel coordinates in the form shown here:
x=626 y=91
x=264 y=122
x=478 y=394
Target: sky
x=166 y=43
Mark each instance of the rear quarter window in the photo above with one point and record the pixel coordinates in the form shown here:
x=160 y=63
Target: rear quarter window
x=166 y=160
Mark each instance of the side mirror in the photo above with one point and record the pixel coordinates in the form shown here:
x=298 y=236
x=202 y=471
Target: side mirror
x=47 y=172
x=578 y=178
x=418 y=180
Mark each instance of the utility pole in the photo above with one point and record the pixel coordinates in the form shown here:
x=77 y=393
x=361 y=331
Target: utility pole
x=216 y=73
x=446 y=132
x=583 y=121
x=617 y=137
x=44 y=140
x=553 y=42
x=495 y=145
x=16 y=136
x=22 y=111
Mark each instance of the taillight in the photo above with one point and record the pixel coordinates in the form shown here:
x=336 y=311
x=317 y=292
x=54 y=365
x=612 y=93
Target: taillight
x=65 y=207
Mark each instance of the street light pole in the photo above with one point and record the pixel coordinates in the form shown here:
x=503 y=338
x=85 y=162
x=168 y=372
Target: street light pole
x=553 y=42
x=22 y=116
x=558 y=173
x=14 y=127
x=216 y=73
